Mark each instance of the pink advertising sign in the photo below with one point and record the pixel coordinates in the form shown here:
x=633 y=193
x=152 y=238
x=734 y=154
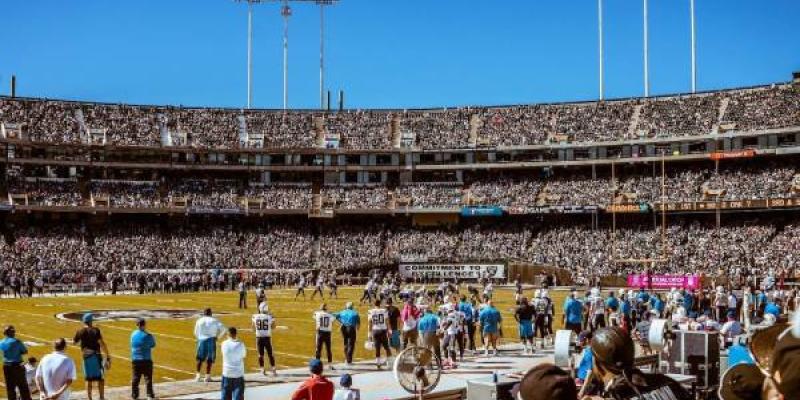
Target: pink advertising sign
x=664 y=281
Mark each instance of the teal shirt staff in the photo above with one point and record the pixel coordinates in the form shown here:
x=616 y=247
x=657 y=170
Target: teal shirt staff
x=428 y=323
x=13 y=350
x=490 y=318
x=142 y=344
x=348 y=318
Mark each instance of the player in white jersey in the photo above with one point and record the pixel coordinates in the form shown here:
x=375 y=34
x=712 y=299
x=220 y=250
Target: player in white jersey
x=263 y=322
x=368 y=289
x=454 y=334
x=379 y=326
x=487 y=291
x=261 y=294
x=597 y=310
x=319 y=286
x=324 y=321
x=301 y=288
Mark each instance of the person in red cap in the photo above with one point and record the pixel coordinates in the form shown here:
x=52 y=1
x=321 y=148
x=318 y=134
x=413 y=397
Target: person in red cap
x=317 y=387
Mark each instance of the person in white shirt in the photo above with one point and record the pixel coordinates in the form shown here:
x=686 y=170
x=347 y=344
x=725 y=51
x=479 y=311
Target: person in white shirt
x=346 y=392
x=207 y=329
x=454 y=328
x=263 y=322
x=30 y=374
x=378 y=323
x=233 y=354
x=55 y=373
x=324 y=321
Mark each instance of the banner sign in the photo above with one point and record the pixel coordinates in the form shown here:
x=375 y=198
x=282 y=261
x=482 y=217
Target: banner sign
x=554 y=210
x=719 y=155
x=482 y=211
x=729 y=204
x=664 y=281
x=207 y=210
x=449 y=271
x=628 y=208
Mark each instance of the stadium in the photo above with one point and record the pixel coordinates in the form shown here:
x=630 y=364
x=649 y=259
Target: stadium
x=674 y=213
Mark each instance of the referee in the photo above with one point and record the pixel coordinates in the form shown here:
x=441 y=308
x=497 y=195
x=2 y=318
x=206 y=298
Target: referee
x=13 y=369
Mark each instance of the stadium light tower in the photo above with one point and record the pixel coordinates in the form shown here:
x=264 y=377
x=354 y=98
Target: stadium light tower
x=249 y=48
x=694 y=48
x=600 y=43
x=646 y=51
x=286 y=12
x=322 y=4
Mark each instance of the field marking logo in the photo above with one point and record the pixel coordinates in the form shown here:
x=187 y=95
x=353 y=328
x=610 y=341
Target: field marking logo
x=132 y=315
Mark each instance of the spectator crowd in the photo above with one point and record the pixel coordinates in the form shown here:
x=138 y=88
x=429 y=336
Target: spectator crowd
x=53 y=121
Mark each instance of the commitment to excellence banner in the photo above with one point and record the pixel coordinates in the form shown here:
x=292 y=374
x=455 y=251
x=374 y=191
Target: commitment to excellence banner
x=664 y=281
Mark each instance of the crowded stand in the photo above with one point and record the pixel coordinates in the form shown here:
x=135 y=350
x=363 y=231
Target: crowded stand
x=686 y=247
x=125 y=125
x=47 y=191
x=204 y=194
x=517 y=126
x=421 y=244
x=351 y=248
x=430 y=195
x=751 y=182
x=761 y=108
x=282 y=130
x=766 y=107
x=680 y=116
x=127 y=194
x=442 y=129
x=356 y=197
x=506 y=192
x=205 y=127
x=576 y=190
x=361 y=130
x=514 y=192
x=280 y=196
x=594 y=122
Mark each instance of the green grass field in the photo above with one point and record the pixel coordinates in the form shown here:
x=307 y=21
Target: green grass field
x=293 y=339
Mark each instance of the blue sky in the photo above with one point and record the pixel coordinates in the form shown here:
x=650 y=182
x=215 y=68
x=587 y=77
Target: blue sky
x=387 y=53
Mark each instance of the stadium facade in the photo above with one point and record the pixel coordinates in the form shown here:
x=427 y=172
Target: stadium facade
x=503 y=180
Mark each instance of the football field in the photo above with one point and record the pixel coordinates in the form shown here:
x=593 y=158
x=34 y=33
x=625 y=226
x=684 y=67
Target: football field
x=37 y=324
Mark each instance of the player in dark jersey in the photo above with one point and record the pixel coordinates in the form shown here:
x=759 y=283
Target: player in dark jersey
x=524 y=316
x=333 y=286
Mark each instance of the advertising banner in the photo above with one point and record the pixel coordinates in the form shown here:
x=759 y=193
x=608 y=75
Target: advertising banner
x=482 y=211
x=664 y=281
x=450 y=271
x=719 y=155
